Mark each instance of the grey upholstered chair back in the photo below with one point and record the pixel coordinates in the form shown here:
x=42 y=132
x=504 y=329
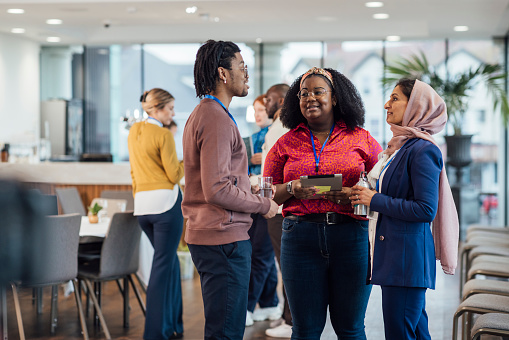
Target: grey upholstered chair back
x=70 y=201
x=120 y=249
x=50 y=204
x=60 y=250
x=120 y=194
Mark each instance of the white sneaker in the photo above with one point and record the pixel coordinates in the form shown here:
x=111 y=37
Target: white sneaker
x=249 y=319
x=275 y=323
x=281 y=331
x=271 y=313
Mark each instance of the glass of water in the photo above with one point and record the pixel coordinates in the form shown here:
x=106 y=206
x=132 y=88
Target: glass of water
x=265 y=183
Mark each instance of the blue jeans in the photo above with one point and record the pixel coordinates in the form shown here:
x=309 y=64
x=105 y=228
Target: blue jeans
x=404 y=310
x=224 y=275
x=326 y=266
x=164 y=292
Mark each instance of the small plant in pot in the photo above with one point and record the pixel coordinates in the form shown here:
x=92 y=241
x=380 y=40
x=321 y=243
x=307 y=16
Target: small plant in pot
x=92 y=213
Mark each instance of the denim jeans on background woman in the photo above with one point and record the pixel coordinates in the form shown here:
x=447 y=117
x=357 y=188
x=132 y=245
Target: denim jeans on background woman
x=326 y=266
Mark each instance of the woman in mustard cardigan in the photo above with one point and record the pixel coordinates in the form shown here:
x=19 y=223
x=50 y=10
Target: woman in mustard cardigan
x=155 y=172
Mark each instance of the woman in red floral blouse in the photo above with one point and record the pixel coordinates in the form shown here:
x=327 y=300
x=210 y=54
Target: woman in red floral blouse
x=324 y=247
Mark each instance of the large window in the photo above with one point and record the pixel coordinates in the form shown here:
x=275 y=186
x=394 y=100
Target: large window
x=362 y=63
x=113 y=78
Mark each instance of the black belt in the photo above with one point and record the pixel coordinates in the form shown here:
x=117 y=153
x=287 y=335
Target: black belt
x=328 y=218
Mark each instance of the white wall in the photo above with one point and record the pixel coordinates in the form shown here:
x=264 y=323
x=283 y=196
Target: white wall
x=19 y=90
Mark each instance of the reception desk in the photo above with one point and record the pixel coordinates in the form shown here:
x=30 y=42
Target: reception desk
x=89 y=178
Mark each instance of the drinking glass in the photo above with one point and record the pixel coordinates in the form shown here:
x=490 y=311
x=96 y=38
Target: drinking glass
x=265 y=183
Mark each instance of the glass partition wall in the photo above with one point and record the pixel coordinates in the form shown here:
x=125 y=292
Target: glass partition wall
x=110 y=80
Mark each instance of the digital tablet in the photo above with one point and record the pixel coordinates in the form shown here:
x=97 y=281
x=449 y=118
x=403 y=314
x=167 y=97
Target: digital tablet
x=322 y=182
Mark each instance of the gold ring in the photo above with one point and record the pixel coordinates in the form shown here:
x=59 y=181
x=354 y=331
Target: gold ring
x=339 y=201
x=357 y=197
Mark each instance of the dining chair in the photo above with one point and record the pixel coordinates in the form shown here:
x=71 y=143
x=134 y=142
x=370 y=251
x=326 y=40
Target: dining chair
x=70 y=201
x=49 y=205
x=60 y=251
x=118 y=259
x=120 y=194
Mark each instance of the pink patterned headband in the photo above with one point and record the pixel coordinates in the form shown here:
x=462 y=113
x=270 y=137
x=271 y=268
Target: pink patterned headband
x=317 y=70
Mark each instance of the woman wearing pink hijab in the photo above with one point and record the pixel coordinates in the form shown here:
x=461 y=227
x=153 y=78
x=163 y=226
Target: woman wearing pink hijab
x=411 y=194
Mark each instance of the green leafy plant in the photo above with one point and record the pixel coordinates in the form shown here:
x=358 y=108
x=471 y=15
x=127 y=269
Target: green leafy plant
x=454 y=89
x=94 y=209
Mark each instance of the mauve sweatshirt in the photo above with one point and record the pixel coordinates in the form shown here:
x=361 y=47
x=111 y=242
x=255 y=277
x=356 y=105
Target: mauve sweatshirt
x=217 y=201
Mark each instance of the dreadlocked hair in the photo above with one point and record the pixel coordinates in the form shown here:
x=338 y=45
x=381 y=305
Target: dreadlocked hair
x=210 y=56
x=349 y=107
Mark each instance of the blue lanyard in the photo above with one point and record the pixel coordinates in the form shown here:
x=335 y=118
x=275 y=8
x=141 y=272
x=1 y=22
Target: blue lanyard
x=385 y=167
x=317 y=157
x=224 y=107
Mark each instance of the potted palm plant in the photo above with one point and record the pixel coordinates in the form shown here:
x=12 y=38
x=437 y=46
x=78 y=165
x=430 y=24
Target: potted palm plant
x=455 y=90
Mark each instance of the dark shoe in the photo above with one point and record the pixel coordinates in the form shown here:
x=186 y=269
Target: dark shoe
x=176 y=335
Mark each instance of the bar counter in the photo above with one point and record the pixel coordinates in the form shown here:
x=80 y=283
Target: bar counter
x=89 y=178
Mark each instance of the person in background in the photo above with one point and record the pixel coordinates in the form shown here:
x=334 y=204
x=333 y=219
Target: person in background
x=411 y=191
x=263 y=278
x=218 y=200
x=324 y=246
x=156 y=172
x=173 y=127
x=263 y=121
x=274 y=99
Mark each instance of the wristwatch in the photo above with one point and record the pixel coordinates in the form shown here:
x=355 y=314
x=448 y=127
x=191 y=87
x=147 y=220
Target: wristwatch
x=289 y=187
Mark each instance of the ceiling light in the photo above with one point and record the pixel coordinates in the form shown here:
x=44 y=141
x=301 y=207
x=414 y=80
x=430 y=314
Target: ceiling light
x=53 y=39
x=18 y=30
x=374 y=4
x=259 y=40
x=15 y=11
x=191 y=10
x=131 y=10
x=393 y=38
x=54 y=22
x=380 y=16
x=216 y=19
x=461 y=28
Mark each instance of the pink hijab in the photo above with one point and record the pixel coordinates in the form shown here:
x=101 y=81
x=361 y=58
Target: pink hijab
x=426 y=115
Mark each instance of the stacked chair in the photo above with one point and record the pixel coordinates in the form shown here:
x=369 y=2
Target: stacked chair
x=484 y=283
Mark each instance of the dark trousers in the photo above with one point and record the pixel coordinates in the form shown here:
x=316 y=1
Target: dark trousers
x=263 y=278
x=404 y=310
x=224 y=275
x=326 y=266
x=274 y=227
x=164 y=291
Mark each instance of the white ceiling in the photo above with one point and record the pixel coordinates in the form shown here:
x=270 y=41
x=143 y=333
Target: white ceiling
x=165 y=21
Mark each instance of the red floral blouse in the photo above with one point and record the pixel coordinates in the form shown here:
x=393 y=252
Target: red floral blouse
x=346 y=152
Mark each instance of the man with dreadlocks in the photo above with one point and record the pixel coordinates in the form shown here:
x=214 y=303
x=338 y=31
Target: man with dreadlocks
x=218 y=199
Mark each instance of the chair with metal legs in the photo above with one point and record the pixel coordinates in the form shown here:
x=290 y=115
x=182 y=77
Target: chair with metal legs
x=118 y=260
x=60 y=250
x=491 y=324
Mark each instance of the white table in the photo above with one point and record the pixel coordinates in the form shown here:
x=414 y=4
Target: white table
x=146 y=250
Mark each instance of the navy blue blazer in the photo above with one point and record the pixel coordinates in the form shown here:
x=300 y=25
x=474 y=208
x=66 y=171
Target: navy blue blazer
x=404 y=252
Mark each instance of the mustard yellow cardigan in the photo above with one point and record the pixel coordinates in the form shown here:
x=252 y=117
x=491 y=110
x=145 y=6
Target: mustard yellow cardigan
x=153 y=158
